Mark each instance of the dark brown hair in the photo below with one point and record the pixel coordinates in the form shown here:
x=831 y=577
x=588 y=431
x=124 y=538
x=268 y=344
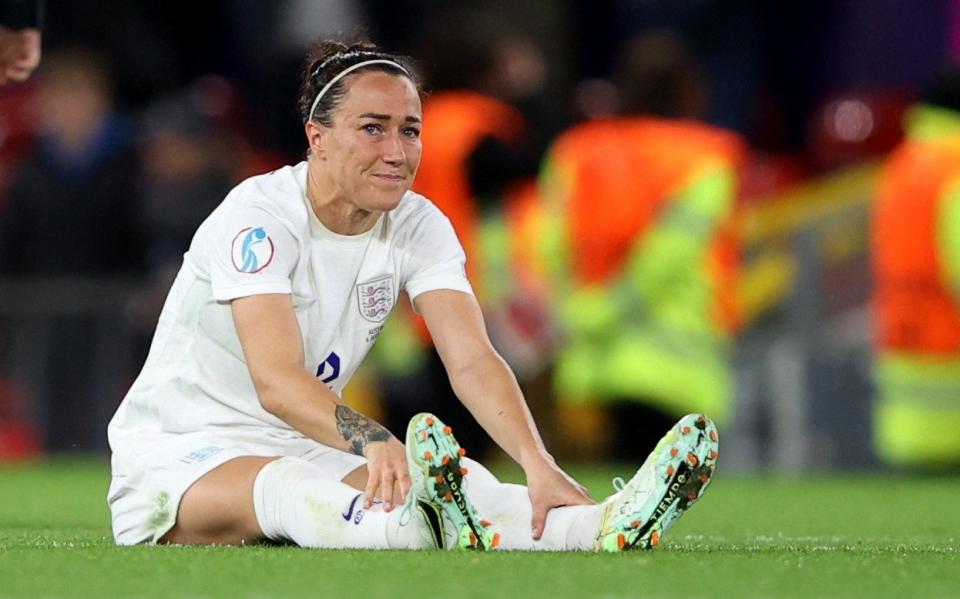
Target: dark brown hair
x=330 y=58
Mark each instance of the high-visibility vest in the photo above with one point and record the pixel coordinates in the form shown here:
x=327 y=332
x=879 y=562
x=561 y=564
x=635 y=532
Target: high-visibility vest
x=627 y=198
x=625 y=172
x=915 y=310
x=916 y=258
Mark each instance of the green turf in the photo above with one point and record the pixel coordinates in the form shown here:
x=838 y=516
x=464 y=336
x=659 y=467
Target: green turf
x=838 y=536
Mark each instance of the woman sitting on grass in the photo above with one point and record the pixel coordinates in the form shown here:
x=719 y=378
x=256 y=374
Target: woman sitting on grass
x=234 y=432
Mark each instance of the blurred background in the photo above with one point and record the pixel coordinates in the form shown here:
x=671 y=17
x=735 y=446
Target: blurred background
x=731 y=206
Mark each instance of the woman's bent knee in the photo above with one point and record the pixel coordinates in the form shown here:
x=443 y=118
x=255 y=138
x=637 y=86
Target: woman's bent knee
x=218 y=508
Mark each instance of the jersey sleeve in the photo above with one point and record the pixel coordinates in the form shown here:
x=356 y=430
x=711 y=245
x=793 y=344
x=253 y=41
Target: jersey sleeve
x=436 y=259
x=252 y=253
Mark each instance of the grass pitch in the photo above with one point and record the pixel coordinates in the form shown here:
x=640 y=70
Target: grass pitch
x=839 y=536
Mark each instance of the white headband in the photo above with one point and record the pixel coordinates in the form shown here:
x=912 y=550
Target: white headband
x=346 y=72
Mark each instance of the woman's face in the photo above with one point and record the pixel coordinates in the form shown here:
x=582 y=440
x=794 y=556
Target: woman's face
x=372 y=151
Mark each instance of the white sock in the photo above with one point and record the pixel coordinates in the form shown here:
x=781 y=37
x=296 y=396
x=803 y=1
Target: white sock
x=507 y=506
x=294 y=501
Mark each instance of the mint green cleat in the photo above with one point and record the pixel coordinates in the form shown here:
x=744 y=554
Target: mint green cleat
x=433 y=456
x=672 y=479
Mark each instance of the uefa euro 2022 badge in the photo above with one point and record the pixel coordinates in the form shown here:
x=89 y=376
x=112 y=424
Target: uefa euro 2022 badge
x=252 y=250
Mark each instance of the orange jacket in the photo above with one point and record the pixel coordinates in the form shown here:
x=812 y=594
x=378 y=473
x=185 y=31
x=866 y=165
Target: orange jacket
x=914 y=309
x=626 y=172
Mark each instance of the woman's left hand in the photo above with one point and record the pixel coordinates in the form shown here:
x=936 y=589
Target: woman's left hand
x=551 y=487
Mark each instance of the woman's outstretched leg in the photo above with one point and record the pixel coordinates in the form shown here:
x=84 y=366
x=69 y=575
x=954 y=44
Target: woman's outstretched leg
x=288 y=500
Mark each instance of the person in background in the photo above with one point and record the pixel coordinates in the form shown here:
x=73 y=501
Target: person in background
x=916 y=265
x=185 y=171
x=187 y=167
x=639 y=215
x=20 y=22
x=72 y=206
x=19 y=57
x=71 y=213
x=476 y=150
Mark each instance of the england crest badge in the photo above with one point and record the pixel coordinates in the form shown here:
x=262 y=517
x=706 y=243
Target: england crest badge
x=375 y=298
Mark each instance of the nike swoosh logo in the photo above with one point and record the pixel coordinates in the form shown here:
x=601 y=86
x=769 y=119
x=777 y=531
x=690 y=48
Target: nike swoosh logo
x=349 y=513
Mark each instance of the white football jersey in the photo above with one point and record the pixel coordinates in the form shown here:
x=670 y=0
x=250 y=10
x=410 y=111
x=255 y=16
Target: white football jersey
x=265 y=238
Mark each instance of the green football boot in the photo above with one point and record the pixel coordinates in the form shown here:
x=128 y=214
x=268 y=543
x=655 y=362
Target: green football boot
x=672 y=479
x=437 y=478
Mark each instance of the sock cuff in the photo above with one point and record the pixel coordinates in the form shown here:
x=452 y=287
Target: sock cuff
x=267 y=495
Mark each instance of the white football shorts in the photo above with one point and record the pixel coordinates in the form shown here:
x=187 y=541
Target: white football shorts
x=150 y=478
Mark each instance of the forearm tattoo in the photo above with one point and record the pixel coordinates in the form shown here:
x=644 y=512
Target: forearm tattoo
x=358 y=430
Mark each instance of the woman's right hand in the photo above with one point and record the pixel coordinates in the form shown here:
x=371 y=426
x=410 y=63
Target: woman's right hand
x=388 y=476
